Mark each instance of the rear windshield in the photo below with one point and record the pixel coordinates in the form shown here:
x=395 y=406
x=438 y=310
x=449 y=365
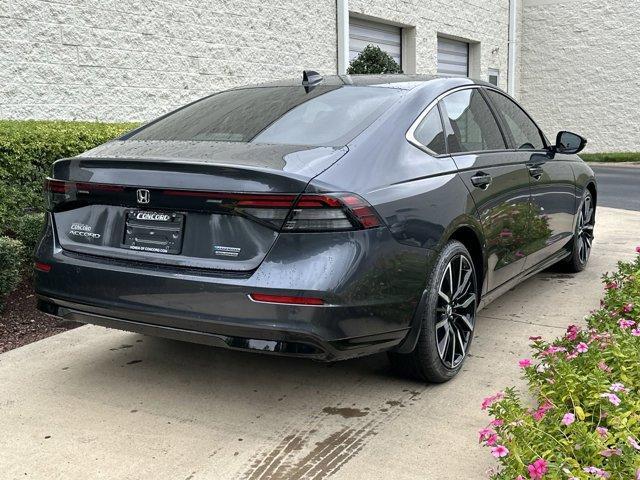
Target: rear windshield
x=326 y=116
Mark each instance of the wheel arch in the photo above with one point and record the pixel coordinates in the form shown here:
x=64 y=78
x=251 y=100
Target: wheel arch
x=470 y=238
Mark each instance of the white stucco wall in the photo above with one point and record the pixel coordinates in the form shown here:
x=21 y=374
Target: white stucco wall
x=580 y=70
x=134 y=59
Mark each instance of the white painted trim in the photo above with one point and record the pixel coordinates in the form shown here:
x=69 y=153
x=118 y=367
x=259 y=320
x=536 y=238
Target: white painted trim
x=511 y=74
x=343 y=35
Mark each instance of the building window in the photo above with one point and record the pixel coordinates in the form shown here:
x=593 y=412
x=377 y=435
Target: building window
x=453 y=57
x=366 y=32
x=494 y=76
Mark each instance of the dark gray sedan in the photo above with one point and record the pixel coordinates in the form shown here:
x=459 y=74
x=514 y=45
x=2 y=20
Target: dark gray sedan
x=328 y=219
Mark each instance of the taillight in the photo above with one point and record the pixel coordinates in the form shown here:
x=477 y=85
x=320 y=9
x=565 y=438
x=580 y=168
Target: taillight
x=60 y=191
x=333 y=212
x=290 y=212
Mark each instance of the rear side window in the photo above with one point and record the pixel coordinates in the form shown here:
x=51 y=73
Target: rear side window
x=474 y=126
x=524 y=132
x=430 y=134
x=325 y=116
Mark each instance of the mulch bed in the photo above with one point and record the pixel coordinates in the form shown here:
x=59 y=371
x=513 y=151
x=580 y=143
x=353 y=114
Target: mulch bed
x=21 y=323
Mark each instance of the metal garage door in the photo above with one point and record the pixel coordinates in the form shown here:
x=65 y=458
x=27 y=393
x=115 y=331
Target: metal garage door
x=365 y=32
x=453 y=58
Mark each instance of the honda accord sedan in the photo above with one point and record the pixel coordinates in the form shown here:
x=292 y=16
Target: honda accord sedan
x=326 y=218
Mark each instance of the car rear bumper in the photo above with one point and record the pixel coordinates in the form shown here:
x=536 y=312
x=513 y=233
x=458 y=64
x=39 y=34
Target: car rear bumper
x=370 y=283
x=247 y=338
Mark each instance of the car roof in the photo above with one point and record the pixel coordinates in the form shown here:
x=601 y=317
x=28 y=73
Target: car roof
x=399 y=81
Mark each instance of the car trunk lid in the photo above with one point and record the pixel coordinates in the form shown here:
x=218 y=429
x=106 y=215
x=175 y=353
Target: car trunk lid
x=204 y=205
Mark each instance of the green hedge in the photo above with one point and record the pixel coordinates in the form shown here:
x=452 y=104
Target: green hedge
x=11 y=255
x=611 y=157
x=27 y=150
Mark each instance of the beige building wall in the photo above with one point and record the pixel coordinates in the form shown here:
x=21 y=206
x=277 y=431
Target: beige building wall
x=580 y=70
x=135 y=59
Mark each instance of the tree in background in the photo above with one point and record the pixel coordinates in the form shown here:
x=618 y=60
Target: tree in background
x=372 y=60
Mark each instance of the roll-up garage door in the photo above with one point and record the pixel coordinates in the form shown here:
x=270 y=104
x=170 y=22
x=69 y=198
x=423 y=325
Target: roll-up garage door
x=453 y=58
x=366 y=32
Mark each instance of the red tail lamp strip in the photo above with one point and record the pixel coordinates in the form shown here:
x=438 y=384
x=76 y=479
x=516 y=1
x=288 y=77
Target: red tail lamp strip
x=42 y=267
x=61 y=186
x=285 y=299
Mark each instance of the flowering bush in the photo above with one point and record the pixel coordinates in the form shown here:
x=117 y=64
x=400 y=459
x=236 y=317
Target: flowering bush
x=587 y=421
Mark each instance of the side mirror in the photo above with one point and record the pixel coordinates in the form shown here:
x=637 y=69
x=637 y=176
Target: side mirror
x=569 y=143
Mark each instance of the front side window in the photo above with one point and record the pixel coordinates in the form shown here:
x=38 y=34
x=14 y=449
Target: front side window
x=524 y=132
x=325 y=116
x=474 y=126
x=430 y=134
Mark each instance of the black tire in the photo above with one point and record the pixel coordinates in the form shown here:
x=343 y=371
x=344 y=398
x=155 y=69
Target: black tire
x=427 y=362
x=583 y=236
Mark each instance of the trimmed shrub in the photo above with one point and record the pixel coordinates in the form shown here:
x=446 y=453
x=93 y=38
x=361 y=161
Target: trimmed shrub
x=586 y=424
x=28 y=230
x=27 y=150
x=372 y=60
x=11 y=254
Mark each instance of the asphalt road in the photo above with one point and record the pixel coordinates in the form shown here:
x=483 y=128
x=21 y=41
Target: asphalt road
x=618 y=187
x=103 y=404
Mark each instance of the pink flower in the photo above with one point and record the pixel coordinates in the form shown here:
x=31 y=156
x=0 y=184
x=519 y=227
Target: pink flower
x=524 y=363
x=611 y=452
x=488 y=436
x=627 y=308
x=552 y=350
x=490 y=400
x=542 y=411
x=618 y=387
x=638 y=249
x=602 y=431
x=499 y=451
x=597 y=471
x=537 y=469
x=497 y=422
x=520 y=477
x=604 y=367
x=568 y=419
x=611 y=286
x=582 y=347
x=572 y=355
x=612 y=397
x=633 y=442
x=536 y=338
x=572 y=332
x=624 y=323
x=635 y=332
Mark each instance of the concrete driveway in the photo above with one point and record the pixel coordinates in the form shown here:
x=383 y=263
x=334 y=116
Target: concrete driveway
x=94 y=403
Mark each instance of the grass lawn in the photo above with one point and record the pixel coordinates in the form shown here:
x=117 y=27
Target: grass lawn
x=611 y=157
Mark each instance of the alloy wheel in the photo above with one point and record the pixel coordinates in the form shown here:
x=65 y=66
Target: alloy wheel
x=456 y=311
x=585 y=229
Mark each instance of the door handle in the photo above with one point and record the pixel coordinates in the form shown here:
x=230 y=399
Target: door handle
x=481 y=180
x=536 y=171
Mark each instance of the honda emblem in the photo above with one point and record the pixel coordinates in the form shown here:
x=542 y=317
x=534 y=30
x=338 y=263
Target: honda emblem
x=143 y=195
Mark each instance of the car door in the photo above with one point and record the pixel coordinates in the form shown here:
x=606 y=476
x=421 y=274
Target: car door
x=498 y=181
x=551 y=180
